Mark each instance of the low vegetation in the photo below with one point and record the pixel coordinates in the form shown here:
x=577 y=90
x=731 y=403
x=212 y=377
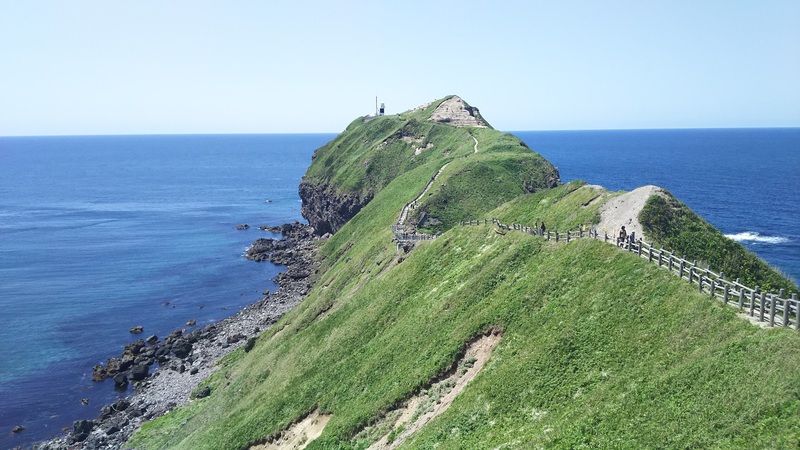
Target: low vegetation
x=599 y=348
x=672 y=224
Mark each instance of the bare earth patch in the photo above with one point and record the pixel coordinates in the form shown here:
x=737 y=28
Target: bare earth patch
x=416 y=412
x=299 y=435
x=624 y=210
x=457 y=112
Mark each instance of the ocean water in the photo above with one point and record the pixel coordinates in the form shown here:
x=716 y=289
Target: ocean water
x=98 y=234
x=745 y=182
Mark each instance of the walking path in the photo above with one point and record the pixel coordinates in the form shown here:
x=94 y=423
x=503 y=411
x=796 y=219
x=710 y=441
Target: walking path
x=766 y=309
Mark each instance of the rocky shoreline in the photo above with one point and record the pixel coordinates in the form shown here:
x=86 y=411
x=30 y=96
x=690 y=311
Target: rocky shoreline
x=184 y=359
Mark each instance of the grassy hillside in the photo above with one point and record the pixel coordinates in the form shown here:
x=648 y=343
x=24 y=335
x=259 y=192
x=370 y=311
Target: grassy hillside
x=599 y=349
x=673 y=225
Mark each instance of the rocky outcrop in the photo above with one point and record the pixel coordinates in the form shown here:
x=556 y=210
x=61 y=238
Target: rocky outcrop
x=164 y=372
x=455 y=111
x=327 y=210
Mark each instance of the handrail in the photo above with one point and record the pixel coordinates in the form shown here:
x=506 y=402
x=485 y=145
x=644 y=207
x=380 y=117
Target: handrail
x=767 y=307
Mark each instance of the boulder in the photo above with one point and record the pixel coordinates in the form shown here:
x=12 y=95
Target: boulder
x=152 y=339
x=202 y=393
x=81 y=430
x=181 y=348
x=235 y=338
x=191 y=323
x=137 y=329
x=139 y=373
x=99 y=373
x=134 y=347
x=120 y=381
x=18 y=429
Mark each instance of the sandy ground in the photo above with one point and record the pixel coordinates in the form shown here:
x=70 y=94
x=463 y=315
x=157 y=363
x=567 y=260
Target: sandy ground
x=624 y=210
x=299 y=435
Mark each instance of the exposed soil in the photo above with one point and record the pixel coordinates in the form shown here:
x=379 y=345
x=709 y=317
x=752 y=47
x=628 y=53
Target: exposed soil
x=419 y=410
x=299 y=435
x=624 y=210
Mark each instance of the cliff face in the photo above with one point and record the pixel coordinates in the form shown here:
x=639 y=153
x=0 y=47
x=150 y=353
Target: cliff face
x=347 y=173
x=327 y=210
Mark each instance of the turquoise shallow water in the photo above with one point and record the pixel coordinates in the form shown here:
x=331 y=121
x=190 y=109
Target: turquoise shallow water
x=98 y=234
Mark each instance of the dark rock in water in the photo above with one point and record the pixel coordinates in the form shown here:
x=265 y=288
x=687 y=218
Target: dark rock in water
x=202 y=393
x=99 y=373
x=152 y=339
x=134 y=347
x=84 y=401
x=243 y=227
x=137 y=329
x=191 y=323
x=18 y=429
x=139 y=373
x=120 y=381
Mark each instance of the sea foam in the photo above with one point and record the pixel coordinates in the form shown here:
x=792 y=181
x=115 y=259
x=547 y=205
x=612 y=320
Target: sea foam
x=752 y=236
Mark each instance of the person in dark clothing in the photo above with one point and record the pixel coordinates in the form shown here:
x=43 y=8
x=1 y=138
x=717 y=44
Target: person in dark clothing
x=622 y=235
x=543 y=229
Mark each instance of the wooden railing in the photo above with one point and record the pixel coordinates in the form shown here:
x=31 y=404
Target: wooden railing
x=773 y=309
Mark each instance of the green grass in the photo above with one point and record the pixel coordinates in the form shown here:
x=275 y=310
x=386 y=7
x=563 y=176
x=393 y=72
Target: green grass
x=600 y=349
x=566 y=207
x=672 y=224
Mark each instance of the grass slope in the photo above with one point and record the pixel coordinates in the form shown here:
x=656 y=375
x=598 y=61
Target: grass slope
x=673 y=225
x=600 y=349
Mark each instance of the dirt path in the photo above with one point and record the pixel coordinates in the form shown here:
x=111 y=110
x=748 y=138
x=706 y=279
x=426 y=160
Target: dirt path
x=476 y=142
x=401 y=221
x=624 y=210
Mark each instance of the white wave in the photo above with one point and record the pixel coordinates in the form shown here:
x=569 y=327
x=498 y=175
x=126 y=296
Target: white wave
x=752 y=236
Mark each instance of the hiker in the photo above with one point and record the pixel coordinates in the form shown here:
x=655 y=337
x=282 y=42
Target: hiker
x=632 y=239
x=622 y=235
x=543 y=229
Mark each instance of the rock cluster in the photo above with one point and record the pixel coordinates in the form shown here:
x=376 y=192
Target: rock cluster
x=326 y=209
x=182 y=360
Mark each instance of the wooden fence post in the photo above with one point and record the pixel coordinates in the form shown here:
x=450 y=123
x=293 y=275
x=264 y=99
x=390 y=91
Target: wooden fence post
x=567 y=236
x=660 y=256
x=713 y=287
x=680 y=269
x=741 y=297
x=762 y=301
x=753 y=297
x=725 y=293
x=796 y=312
x=691 y=273
x=650 y=254
x=700 y=282
x=556 y=235
x=639 y=250
x=771 y=309
x=782 y=295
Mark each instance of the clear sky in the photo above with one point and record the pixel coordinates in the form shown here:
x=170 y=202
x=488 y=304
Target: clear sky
x=249 y=66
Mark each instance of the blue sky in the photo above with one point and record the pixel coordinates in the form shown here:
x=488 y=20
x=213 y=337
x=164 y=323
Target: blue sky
x=140 y=67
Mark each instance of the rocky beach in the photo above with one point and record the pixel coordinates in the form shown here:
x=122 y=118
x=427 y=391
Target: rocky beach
x=166 y=372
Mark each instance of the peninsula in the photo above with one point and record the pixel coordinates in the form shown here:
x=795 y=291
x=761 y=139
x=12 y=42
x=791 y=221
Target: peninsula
x=462 y=296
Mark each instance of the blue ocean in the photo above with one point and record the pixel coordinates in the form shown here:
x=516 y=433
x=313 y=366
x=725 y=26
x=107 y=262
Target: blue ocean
x=99 y=234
